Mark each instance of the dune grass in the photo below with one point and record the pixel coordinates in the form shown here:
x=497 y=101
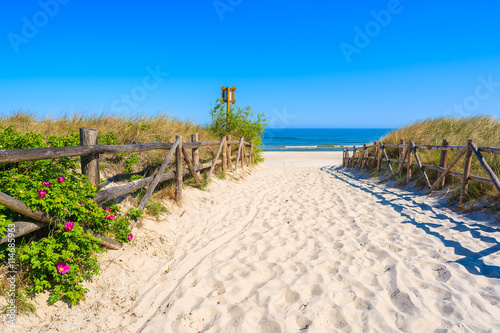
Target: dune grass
x=129 y=130
x=484 y=130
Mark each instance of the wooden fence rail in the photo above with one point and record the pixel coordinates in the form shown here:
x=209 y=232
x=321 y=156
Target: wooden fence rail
x=89 y=152
x=409 y=151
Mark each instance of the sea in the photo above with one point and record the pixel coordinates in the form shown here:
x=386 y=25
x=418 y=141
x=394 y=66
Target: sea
x=319 y=139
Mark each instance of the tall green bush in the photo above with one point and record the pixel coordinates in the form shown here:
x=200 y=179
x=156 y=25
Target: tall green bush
x=238 y=122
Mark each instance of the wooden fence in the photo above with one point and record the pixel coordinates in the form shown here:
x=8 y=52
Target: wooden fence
x=89 y=151
x=361 y=159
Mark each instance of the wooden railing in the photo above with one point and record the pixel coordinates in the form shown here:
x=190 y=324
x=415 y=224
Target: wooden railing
x=362 y=159
x=89 y=151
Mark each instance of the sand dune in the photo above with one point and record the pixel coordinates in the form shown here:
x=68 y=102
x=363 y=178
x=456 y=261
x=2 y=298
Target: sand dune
x=302 y=247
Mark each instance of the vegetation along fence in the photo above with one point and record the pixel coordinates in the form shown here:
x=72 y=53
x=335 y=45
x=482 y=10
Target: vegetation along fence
x=372 y=156
x=89 y=151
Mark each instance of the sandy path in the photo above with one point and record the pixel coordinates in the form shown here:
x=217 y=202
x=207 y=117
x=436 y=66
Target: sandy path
x=297 y=249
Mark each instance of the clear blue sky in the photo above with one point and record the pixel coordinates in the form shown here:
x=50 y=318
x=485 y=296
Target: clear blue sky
x=303 y=63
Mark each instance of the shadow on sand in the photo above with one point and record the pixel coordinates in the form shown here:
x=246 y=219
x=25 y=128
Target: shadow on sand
x=471 y=261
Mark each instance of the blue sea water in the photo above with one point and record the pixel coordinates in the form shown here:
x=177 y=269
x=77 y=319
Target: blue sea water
x=319 y=139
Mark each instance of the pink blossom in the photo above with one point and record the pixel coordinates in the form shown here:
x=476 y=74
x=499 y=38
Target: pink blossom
x=42 y=193
x=110 y=217
x=83 y=203
x=60 y=179
x=69 y=226
x=107 y=209
x=130 y=237
x=62 y=268
x=46 y=184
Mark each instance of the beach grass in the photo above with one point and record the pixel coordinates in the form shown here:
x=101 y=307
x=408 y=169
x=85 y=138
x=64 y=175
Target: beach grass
x=484 y=130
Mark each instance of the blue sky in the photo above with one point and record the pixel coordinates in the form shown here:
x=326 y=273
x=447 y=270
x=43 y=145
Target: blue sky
x=302 y=63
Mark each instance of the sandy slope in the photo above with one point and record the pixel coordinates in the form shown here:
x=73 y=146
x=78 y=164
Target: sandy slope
x=295 y=248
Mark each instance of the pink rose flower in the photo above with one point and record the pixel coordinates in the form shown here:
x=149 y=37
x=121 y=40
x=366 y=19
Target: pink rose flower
x=110 y=217
x=60 y=179
x=69 y=226
x=46 y=184
x=62 y=268
x=130 y=237
x=42 y=193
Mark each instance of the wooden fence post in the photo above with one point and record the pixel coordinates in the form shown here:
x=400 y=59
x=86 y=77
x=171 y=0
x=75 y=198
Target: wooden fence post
x=374 y=163
x=178 y=171
x=465 y=179
x=408 y=166
x=343 y=157
x=90 y=163
x=379 y=157
x=401 y=156
x=229 y=154
x=196 y=153
x=224 y=157
x=251 y=152
x=353 y=161
x=363 y=157
x=443 y=160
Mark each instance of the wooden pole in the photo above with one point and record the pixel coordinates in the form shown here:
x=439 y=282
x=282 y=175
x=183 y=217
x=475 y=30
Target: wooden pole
x=465 y=179
x=401 y=156
x=251 y=152
x=353 y=161
x=408 y=166
x=485 y=166
x=20 y=207
x=343 y=157
x=379 y=157
x=403 y=159
x=216 y=157
x=448 y=169
x=90 y=163
x=363 y=157
x=158 y=176
x=224 y=157
x=229 y=162
x=196 y=153
x=238 y=155
x=443 y=160
x=179 y=172
x=191 y=168
x=374 y=162
x=387 y=159
x=420 y=164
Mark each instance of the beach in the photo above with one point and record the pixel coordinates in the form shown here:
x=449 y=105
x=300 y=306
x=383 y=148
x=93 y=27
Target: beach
x=295 y=244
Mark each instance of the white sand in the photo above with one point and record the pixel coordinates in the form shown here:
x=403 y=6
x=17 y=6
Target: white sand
x=292 y=248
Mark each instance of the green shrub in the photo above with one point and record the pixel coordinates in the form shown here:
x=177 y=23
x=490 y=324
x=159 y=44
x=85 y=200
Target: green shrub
x=239 y=122
x=55 y=186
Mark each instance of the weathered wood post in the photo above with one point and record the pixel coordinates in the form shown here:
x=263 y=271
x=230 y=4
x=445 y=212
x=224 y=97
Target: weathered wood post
x=90 y=163
x=379 y=157
x=196 y=153
x=465 y=179
x=178 y=171
x=443 y=160
x=374 y=163
x=363 y=157
x=408 y=167
x=251 y=152
x=353 y=162
x=224 y=157
x=401 y=154
x=229 y=153
x=343 y=157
